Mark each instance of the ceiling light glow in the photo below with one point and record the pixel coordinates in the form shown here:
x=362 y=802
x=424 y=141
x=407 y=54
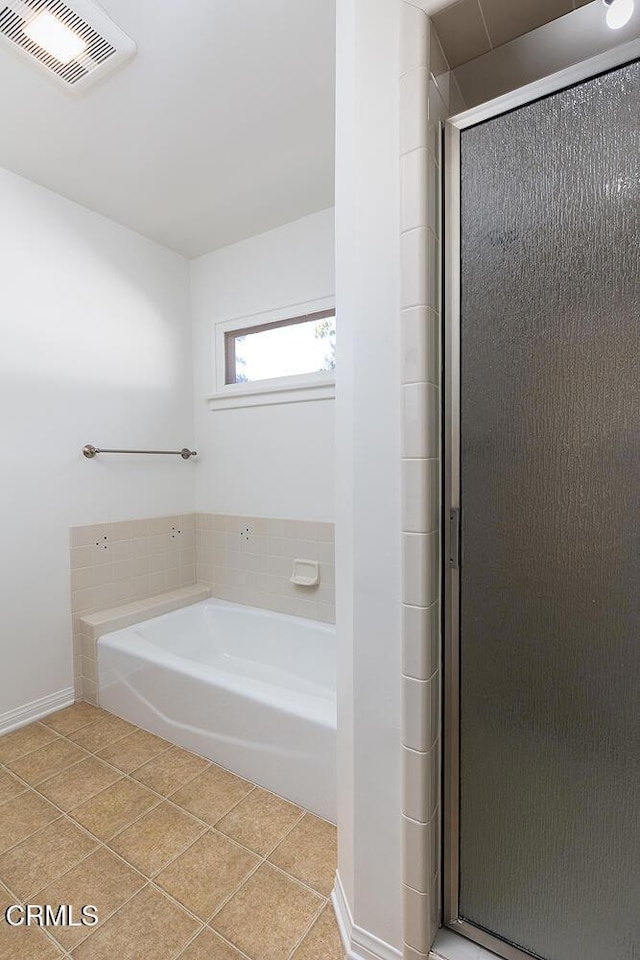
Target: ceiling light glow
x=619 y=12
x=54 y=37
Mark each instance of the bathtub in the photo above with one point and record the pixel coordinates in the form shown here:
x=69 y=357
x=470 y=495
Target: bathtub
x=249 y=689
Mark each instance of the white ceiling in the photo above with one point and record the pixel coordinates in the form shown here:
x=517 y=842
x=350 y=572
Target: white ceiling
x=221 y=127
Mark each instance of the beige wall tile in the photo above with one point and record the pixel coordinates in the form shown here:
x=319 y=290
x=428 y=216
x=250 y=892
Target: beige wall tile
x=420 y=641
x=506 y=20
x=462 y=32
x=420 y=568
x=413 y=119
x=421 y=713
x=421 y=782
x=414 y=38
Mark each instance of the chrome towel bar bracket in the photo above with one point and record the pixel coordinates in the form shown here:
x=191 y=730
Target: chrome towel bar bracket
x=90 y=451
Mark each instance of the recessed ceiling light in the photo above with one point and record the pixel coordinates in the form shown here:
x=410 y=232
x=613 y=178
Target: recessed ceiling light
x=54 y=37
x=619 y=12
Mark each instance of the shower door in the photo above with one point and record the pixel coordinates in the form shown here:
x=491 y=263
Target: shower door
x=543 y=715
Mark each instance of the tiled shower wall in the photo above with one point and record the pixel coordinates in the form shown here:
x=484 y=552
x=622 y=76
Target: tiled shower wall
x=424 y=102
x=243 y=559
x=250 y=560
x=116 y=563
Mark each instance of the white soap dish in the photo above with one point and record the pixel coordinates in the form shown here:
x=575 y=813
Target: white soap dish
x=306 y=573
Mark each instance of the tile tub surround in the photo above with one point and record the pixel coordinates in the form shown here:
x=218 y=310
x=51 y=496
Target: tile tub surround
x=117 y=563
x=182 y=858
x=249 y=560
x=93 y=625
x=425 y=92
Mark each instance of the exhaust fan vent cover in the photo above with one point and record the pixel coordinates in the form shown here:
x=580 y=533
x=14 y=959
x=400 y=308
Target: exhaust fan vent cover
x=106 y=46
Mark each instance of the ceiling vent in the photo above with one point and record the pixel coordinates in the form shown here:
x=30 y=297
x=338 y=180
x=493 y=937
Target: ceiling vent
x=76 y=43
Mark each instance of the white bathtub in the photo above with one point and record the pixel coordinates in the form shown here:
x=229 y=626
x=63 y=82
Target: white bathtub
x=252 y=690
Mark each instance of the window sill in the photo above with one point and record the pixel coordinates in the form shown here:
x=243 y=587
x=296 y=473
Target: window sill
x=267 y=394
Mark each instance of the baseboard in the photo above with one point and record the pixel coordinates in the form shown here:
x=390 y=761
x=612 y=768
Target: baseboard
x=358 y=944
x=19 y=717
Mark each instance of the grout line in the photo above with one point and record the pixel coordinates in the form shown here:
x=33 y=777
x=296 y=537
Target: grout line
x=207 y=827
x=307 y=931
x=486 y=28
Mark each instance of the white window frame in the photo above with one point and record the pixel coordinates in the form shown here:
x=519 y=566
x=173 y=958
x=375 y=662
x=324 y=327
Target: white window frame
x=293 y=389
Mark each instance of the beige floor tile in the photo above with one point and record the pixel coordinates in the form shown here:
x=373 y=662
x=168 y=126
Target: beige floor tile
x=24 y=740
x=22 y=816
x=212 y=794
x=260 y=821
x=170 y=770
x=96 y=736
x=46 y=761
x=268 y=915
x=208 y=872
x=134 y=750
x=115 y=808
x=80 y=783
x=23 y=943
x=72 y=718
x=323 y=940
x=159 y=836
x=44 y=857
x=9 y=786
x=309 y=853
x=102 y=880
x=209 y=946
x=148 y=927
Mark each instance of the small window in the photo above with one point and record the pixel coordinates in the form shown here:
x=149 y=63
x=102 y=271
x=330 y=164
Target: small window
x=286 y=355
x=284 y=348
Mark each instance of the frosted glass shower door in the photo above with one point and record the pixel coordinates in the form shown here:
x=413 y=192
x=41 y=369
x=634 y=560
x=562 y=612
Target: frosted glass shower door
x=549 y=737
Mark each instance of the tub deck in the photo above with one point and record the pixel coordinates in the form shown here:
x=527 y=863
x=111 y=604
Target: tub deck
x=249 y=689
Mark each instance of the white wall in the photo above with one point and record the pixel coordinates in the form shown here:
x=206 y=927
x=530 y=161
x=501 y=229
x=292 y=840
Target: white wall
x=368 y=519
x=96 y=348
x=274 y=461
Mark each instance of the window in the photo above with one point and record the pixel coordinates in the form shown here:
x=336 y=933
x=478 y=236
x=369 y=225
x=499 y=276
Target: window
x=284 y=348
x=279 y=357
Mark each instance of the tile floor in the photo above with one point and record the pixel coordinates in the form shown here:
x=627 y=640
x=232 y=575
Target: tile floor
x=181 y=858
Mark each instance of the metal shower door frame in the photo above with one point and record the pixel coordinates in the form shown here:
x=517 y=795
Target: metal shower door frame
x=452 y=506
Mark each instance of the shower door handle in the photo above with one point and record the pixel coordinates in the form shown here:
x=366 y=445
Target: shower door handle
x=454 y=537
